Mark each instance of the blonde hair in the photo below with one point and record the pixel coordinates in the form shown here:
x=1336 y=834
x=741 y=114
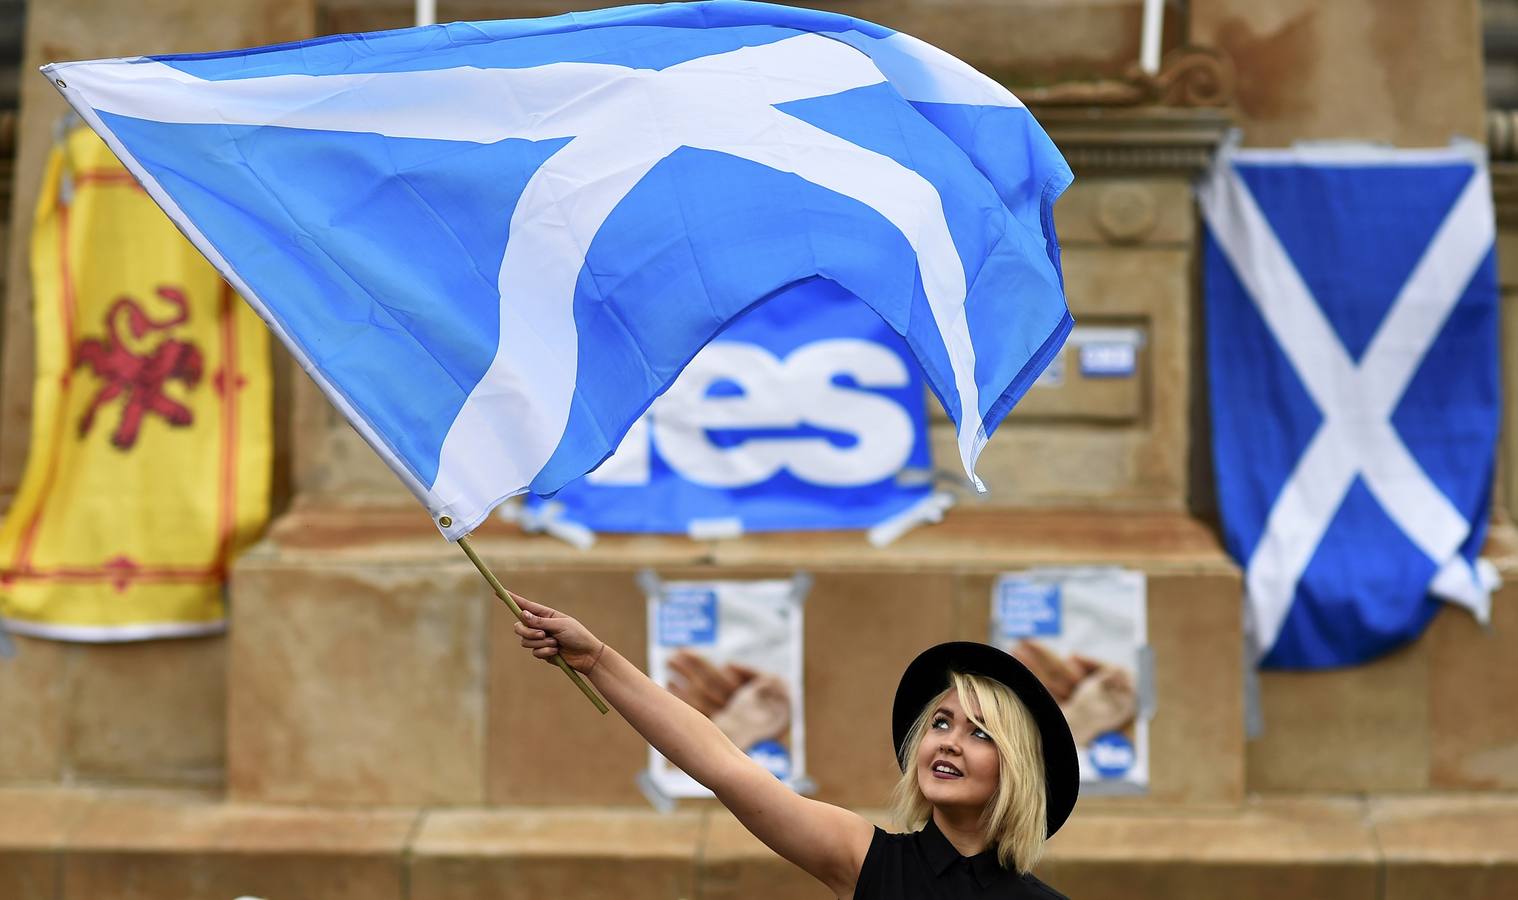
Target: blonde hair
x=1016 y=818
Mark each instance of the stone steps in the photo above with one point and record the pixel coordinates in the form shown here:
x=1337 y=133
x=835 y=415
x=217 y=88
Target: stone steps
x=369 y=663
x=100 y=844
x=337 y=613
x=368 y=729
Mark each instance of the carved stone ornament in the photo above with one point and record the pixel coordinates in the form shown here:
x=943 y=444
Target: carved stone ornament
x=1188 y=77
x=1154 y=140
x=1502 y=147
x=1505 y=194
x=1126 y=212
x=1502 y=134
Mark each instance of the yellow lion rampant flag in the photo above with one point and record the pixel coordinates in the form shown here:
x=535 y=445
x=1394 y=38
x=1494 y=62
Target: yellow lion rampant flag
x=150 y=455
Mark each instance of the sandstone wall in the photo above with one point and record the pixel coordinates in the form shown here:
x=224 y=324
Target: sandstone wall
x=1020 y=41
x=137 y=713
x=1406 y=73
x=61 y=30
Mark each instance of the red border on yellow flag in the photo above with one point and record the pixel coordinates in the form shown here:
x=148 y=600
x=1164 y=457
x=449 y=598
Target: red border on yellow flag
x=151 y=444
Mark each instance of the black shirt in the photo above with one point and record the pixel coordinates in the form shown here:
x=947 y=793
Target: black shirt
x=925 y=865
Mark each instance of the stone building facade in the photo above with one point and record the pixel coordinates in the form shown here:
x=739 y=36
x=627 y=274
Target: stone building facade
x=369 y=729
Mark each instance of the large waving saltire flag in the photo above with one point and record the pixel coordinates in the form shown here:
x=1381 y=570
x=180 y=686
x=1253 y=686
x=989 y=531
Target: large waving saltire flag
x=493 y=244
x=1352 y=359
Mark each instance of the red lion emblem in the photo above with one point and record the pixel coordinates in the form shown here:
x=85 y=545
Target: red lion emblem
x=140 y=376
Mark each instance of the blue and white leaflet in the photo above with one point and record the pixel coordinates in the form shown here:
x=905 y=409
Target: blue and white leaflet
x=732 y=650
x=1085 y=633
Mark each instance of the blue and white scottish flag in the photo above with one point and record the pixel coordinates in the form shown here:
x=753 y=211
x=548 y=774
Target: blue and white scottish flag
x=493 y=244
x=1352 y=357
x=807 y=412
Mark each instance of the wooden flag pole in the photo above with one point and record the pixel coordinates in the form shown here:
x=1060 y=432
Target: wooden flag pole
x=516 y=610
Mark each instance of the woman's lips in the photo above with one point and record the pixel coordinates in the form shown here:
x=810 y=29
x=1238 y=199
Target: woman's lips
x=944 y=769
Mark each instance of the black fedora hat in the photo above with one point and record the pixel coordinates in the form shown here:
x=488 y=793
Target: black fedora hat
x=928 y=675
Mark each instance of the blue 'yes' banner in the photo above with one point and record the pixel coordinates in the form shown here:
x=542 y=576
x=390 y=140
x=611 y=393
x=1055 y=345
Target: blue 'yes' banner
x=806 y=413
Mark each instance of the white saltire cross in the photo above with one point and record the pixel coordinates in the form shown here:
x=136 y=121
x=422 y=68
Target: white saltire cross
x=621 y=122
x=1356 y=437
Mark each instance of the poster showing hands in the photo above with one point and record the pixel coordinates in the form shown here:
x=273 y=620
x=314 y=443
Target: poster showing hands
x=732 y=650
x=1084 y=633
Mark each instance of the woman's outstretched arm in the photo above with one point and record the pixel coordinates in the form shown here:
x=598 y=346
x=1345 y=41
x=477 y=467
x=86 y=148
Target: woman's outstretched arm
x=826 y=841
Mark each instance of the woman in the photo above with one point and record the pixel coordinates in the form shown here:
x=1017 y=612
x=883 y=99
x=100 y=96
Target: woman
x=988 y=771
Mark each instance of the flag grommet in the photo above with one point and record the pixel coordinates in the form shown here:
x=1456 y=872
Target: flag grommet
x=445 y=521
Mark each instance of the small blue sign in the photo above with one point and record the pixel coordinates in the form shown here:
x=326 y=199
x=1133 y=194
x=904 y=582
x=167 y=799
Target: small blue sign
x=688 y=617
x=1028 y=609
x=1112 y=755
x=1108 y=359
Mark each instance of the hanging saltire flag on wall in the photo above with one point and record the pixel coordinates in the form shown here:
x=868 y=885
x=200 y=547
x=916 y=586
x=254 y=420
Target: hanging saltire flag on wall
x=493 y=244
x=151 y=439
x=808 y=412
x=1352 y=357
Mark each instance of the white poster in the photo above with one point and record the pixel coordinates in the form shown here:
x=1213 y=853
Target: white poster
x=732 y=650
x=1084 y=633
